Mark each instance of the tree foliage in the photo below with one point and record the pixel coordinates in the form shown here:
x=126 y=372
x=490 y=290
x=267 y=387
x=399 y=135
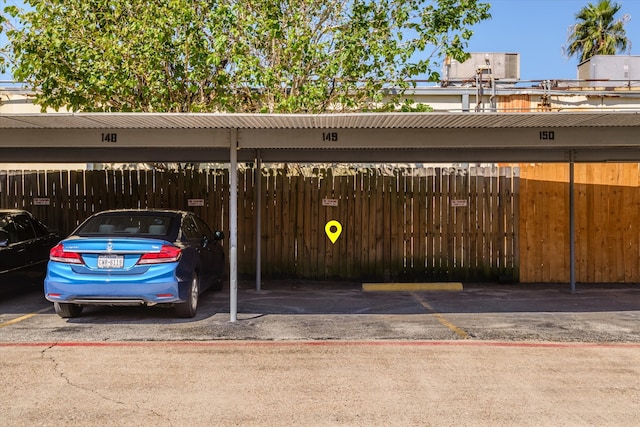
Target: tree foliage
x=5 y=25
x=233 y=55
x=597 y=32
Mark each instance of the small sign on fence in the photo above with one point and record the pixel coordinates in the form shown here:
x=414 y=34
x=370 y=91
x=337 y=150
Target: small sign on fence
x=195 y=202
x=329 y=202
x=459 y=203
x=41 y=201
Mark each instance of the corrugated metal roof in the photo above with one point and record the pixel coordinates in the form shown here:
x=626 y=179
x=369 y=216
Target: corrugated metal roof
x=322 y=121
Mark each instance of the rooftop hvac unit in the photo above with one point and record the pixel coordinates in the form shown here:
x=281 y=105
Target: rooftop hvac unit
x=503 y=67
x=610 y=70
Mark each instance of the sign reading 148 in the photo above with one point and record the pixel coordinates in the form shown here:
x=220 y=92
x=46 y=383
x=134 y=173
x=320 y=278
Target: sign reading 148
x=109 y=137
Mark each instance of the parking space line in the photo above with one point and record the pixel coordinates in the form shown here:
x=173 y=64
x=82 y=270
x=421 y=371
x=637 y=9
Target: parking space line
x=25 y=317
x=443 y=321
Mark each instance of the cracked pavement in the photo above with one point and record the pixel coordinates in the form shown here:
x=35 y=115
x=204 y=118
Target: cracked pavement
x=315 y=353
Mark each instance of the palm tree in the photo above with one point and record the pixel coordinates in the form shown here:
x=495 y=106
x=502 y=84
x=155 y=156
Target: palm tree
x=597 y=32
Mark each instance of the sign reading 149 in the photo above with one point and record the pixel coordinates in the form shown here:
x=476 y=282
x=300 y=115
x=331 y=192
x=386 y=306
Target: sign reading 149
x=330 y=136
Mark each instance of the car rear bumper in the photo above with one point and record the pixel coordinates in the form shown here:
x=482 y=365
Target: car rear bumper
x=158 y=285
x=121 y=293
x=105 y=301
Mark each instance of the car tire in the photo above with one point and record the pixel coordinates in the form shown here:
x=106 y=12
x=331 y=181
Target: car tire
x=66 y=310
x=189 y=308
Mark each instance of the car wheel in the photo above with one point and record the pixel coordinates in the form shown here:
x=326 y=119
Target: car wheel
x=66 y=310
x=190 y=306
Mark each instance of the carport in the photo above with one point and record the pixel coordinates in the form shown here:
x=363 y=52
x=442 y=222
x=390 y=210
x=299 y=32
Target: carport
x=567 y=137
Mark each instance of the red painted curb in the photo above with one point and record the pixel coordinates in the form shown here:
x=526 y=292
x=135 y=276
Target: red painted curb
x=461 y=343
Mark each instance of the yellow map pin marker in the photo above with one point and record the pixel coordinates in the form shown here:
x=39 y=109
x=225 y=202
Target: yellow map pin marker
x=331 y=233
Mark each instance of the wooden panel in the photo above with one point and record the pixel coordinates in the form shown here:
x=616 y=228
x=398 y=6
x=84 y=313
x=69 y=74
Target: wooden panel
x=356 y=223
x=388 y=234
x=379 y=231
x=326 y=253
x=372 y=191
x=269 y=225
x=607 y=237
x=349 y=211
x=432 y=234
x=307 y=241
x=317 y=230
x=409 y=183
x=630 y=227
x=4 y=190
x=278 y=249
x=419 y=225
x=514 y=103
x=459 y=215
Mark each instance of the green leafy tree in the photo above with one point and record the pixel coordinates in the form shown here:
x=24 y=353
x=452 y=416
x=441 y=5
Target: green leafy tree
x=597 y=32
x=233 y=55
x=5 y=24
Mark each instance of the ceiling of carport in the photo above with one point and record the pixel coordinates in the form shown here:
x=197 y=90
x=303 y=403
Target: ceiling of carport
x=354 y=137
x=319 y=121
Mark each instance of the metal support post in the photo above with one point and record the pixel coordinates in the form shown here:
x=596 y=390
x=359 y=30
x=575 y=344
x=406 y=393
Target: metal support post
x=572 y=225
x=258 y=207
x=233 y=226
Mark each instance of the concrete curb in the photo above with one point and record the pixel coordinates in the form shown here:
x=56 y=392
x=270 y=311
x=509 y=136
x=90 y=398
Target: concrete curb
x=411 y=287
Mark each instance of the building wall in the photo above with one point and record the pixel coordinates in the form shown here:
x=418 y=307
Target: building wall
x=20 y=101
x=17 y=101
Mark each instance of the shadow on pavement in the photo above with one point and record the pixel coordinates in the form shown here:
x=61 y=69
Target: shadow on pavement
x=318 y=297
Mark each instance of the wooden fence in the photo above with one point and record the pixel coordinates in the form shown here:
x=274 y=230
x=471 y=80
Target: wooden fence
x=406 y=224
x=607 y=223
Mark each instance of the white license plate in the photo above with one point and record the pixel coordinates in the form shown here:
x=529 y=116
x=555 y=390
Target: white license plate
x=110 y=261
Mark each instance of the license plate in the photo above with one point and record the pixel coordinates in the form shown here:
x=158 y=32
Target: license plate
x=110 y=261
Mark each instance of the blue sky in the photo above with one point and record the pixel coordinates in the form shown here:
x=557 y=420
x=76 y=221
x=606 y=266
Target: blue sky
x=537 y=29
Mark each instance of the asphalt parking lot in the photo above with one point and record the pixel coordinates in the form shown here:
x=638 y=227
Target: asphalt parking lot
x=303 y=310
x=316 y=353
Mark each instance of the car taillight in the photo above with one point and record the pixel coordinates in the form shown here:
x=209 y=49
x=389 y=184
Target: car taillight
x=167 y=253
x=58 y=254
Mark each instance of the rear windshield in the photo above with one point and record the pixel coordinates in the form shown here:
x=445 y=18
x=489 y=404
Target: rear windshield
x=127 y=224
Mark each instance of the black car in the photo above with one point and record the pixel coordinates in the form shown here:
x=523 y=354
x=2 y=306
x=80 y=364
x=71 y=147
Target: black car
x=24 y=246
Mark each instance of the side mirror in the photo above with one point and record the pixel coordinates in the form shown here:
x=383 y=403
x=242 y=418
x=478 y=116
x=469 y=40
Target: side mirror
x=4 y=239
x=218 y=235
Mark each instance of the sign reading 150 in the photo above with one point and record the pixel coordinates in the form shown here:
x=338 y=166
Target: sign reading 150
x=547 y=135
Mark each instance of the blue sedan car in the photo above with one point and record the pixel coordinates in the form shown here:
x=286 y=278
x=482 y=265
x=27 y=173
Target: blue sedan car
x=135 y=257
